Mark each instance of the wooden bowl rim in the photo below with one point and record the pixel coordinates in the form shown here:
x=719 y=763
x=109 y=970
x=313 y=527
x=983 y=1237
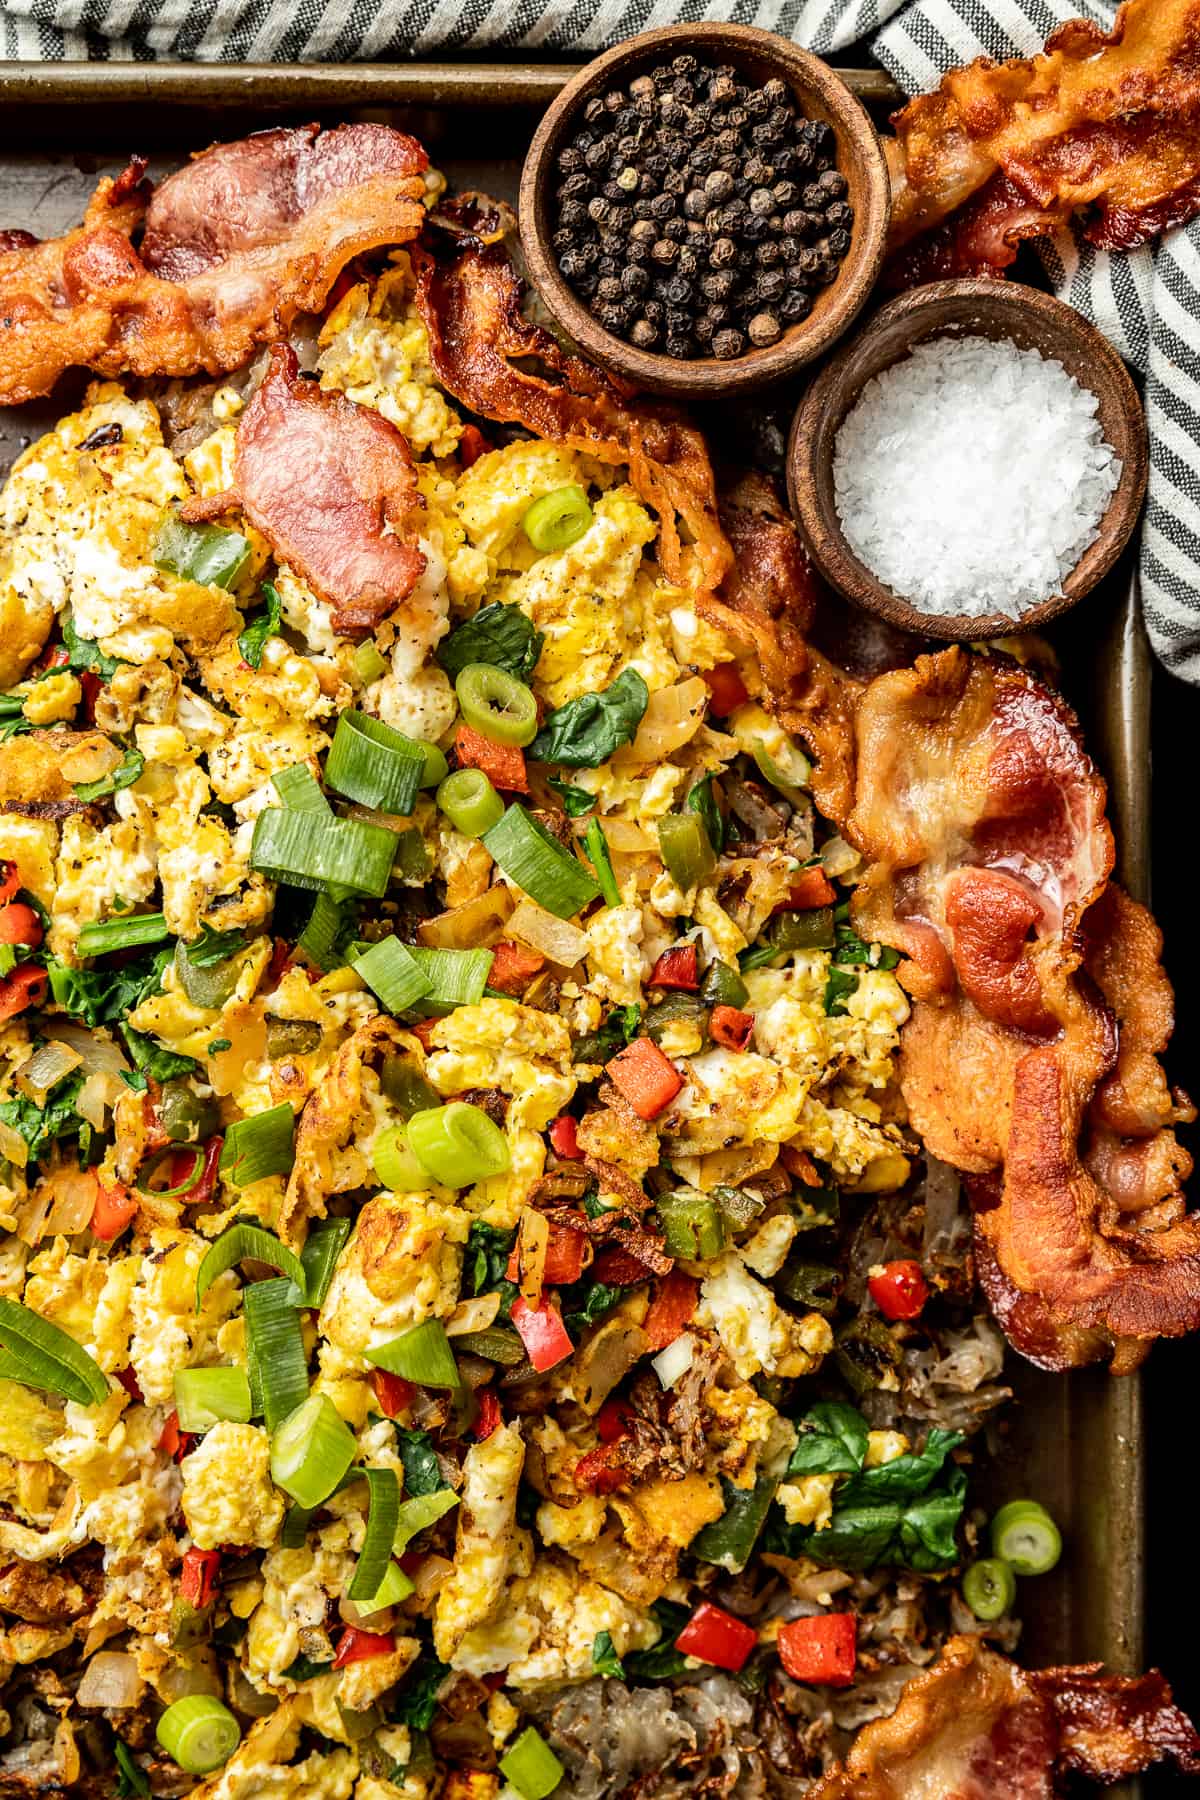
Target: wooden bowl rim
x=1125 y=431
x=706 y=377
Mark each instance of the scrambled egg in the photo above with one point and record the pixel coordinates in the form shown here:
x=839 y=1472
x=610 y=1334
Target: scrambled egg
x=228 y=1497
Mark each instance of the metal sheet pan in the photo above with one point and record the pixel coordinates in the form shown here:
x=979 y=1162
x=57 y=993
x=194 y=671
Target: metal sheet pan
x=1075 y=1441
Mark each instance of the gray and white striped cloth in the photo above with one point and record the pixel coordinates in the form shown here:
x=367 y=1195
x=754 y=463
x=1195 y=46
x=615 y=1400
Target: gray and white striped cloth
x=1147 y=301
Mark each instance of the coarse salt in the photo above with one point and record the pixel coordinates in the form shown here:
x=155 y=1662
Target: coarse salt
x=971 y=476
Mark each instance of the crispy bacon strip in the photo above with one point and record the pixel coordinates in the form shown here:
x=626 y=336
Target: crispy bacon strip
x=1107 y=124
x=975 y=1727
x=323 y=478
x=235 y=245
x=470 y=300
x=1031 y=1059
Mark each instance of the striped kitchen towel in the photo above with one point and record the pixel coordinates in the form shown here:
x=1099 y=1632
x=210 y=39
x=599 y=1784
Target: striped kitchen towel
x=1147 y=301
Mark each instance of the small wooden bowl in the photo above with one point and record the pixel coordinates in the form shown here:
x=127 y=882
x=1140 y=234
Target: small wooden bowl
x=819 y=95
x=985 y=308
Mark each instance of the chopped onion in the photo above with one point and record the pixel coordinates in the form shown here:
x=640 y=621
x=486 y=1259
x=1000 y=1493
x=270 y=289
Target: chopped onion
x=473 y=1315
x=557 y=939
x=45 y=1069
x=839 y=858
x=102 y=1062
x=72 y=1194
x=474 y=925
x=675 y=1360
x=533 y=1241
x=672 y=718
x=627 y=838
x=13 y=1147
x=110 y=1679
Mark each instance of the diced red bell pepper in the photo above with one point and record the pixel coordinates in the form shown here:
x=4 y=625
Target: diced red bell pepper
x=281 y=961
x=174 y=1442
x=677 y=968
x=811 y=888
x=612 y=1421
x=393 y=1393
x=601 y=1471
x=56 y=657
x=542 y=1332
x=564 y=1255
x=489 y=1415
x=19 y=924
x=129 y=1381
x=618 y=1267
x=899 y=1289
x=206 y=1187
x=503 y=764
x=648 y=1079
x=729 y=1027
x=355 y=1645
x=112 y=1211
x=92 y=687
x=513 y=967
x=424 y=1029
x=564 y=1138
x=821 y=1651
x=726 y=689
x=672 y=1308
x=25 y=987
x=10 y=879
x=714 y=1636
x=198 y=1577
x=471 y=446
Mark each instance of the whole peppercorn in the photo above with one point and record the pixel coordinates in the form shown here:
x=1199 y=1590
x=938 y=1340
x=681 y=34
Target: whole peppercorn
x=635 y=281
x=723 y=253
x=570 y=160
x=796 y=223
x=718 y=286
x=771 y=285
x=839 y=214
x=762 y=203
x=679 y=321
x=643 y=334
x=702 y=160
x=679 y=346
x=806 y=263
x=676 y=230
x=664 y=252
x=754 y=228
x=642 y=207
x=594 y=109
x=627 y=180
x=785 y=193
x=598 y=155
x=703 y=329
x=796 y=304
x=763 y=329
x=616 y=195
x=611 y=317
x=838 y=242
x=813 y=197
x=678 y=292
x=675 y=183
x=802 y=158
x=722 y=89
x=637 y=251
x=614 y=100
x=614 y=244
x=643 y=231
x=607 y=265
x=768 y=254
x=727 y=343
x=655 y=165
x=820 y=136
x=833 y=184
x=609 y=288
x=575 y=187
x=695 y=203
x=726 y=143
x=685 y=64
x=683 y=90
x=641 y=88
x=766 y=135
x=718 y=312
x=573 y=266
x=572 y=215
x=789 y=249
x=654 y=311
x=714 y=221
x=776 y=92
x=562 y=240
x=827 y=266
x=696 y=126
x=756 y=104
x=662 y=206
x=718 y=186
x=737 y=119
x=758 y=172
x=687 y=263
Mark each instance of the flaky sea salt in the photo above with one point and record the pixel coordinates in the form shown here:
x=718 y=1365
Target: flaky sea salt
x=971 y=476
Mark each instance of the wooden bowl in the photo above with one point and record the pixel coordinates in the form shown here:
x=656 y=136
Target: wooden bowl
x=820 y=94
x=984 y=308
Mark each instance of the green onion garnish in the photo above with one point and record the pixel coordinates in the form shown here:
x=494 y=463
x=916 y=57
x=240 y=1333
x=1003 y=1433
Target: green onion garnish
x=145 y=1175
x=311 y=1451
x=375 y=1557
x=436 y=765
x=455 y=977
x=203 y=1396
x=989 y=1588
x=41 y=1355
x=419 y=1513
x=1026 y=1537
x=311 y=852
x=458 y=1144
x=324 y=1244
x=319 y=939
x=531 y=1766
x=394 y=1587
x=260 y=1146
x=686 y=849
x=199 y=1733
x=470 y=802
x=596 y=845
x=275 y=1346
x=298 y=789
x=107 y=935
x=371 y=763
x=497 y=704
x=398 y=1168
x=422 y=1355
x=558 y=520
x=391 y=971
x=245 y=1240
x=204 y=553
x=369 y=665
x=539 y=865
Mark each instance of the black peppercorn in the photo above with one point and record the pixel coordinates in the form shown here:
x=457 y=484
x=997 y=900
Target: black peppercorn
x=685 y=64
x=573 y=265
x=599 y=209
x=703 y=329
x=840 y=214
x=771 y=285
x=572 y=215
x=614 y=100
x=702 y=160
x=679 y=346
x=812 y=197
x=641 y=88
x=670 y=111
x=562 y=240
x=687 y=263
x=785 y=193
x=838 y=242
x=763 y=329
x=643 y=208
x=757 y=172
x=754 y=228
x=679 y=320
x=722 y=88
x=609 y=288
x=678 y=291
x=727 y=343
x=695 y=203
x=757 y=104
x=718 y=312
x=833 y=184
x=768 y=254
x=775 y=92
x=718 y=186
x=574 y=187
x=635 y=281
x=723 y=253
x=675 y=183
x=789 y=249
x=570 y=160
x=676 y=230
x=611 y=317
x=662 y=206
x=643 y=231
x=766 y=136
x=796 y=304
x=607 y=265
x=653 y=310
x=664 y=252
x=761 y=203
x=594 y=109
x=718 y=286
x=643 y=334
x=805 y=264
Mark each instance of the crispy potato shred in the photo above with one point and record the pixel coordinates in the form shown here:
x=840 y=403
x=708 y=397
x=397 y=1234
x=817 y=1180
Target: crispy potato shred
x=1103 y=125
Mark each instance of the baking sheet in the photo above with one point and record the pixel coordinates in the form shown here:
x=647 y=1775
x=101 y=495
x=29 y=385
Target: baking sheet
x=1074 y=1441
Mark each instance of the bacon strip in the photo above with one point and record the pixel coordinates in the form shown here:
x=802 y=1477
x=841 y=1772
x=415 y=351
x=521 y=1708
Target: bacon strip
x=1106 y=124
x=470 y=300
x=975 y=1727
x=323 y=478
x=235 y=245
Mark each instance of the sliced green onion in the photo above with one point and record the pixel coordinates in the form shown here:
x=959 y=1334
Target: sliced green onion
x=199 y=1733
x=204 y=1396
x=39 y=1354
x=596 y=845
x=458 y=1144
x=298 y=789
x=324 y=1244
x=394 y=1587
x=989 y=1588
x=539 y=865
x=208 y=554
x=436 y=766
x=419 y=1513
x=129 y=1772
x=145 y=1175
x=319 y=939
x=558 y=520
x=311 y=1451
x=412 y=861
x=390 y=971
x=470 y=802
x=260 y=1146
x=275 y=1346
x=375 y=1557
x=299 y=1518
x=455 y=977
x=531 y=1765
x=407 y=1088
x=497 y=704
x=107 y=935
x=368 y=664
x=206 y=984
x=245 y=1240
x=686 y=849
x=1026 y=1537
x=371 y=763
x=693 y=1227
x=312 y=852
x=398 y=1168
x=422 y=1355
